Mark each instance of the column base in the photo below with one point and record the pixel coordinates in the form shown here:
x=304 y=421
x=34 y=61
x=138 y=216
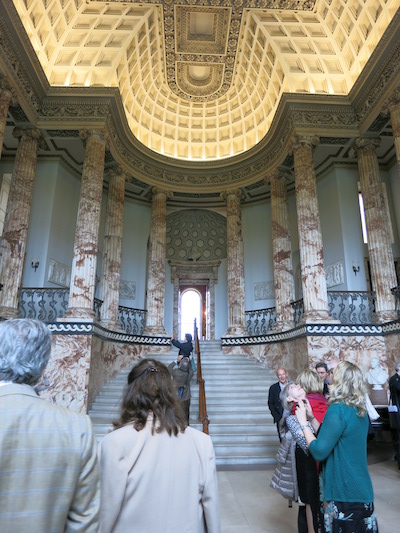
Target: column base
x=386 y=316
x=8 y=312
x=318 y=316
x=236 y=331
x=80 y=312
x=111 y=325
x=283 y=325
x=155 y=331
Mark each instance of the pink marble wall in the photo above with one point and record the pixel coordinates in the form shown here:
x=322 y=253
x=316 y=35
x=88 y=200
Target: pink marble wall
x=305 y=352
x=392 y=351
x=80 y=365
x=66 y=378
x=292 y=355
x=108 y=359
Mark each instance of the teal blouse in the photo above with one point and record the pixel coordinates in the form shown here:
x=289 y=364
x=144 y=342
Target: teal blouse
x=341 y=447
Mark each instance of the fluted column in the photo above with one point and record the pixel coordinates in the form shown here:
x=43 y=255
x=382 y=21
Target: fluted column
x=156 y=272
x=6 y=97
x=394 y=109
x=112 y=254
x=83 y=274
x=175 y=322
x=282 y=252
x=315 y=297
x=16 y=222
x=211 y=291
x=235 y=267
x=383 y=273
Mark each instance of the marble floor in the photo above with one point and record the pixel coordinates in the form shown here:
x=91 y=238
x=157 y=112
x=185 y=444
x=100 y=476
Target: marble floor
x=249 y=505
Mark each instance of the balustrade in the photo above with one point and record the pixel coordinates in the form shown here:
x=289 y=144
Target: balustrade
x=348 y=307
x=48 y=304
x=260 y=322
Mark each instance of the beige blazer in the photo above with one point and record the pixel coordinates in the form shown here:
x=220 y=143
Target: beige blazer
x=158 y=484
x=49 y=478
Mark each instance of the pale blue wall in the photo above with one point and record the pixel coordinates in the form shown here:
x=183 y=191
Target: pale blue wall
x=257 y=246
x=136 y=232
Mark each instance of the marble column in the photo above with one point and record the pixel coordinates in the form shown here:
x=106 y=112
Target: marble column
x=156 y=271
x=394 y=109
x=211 y=305
x=112 y=253
x=83 y=274
x=6 y=98
x=176 y=314
x=13 y=243
x=383 y=273
x=282 y=252
x=315 y=297
x=235 y=267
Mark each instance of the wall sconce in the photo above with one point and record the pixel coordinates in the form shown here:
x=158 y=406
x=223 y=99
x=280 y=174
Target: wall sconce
x=356 y=269
x=35 y=264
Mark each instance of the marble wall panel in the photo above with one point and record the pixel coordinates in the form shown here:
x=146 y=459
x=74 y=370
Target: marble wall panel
x=291 y=355
x=66 y=379
x=108 y=358
x=392 y=351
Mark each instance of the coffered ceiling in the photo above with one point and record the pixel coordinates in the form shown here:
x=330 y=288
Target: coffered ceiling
x=202 y=94
x=203 y=79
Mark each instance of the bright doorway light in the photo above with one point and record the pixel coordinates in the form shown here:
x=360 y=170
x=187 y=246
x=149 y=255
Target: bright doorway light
x=190 y=310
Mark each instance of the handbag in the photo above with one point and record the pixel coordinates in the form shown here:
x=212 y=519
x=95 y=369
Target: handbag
x=181 y=390
x=193 y=364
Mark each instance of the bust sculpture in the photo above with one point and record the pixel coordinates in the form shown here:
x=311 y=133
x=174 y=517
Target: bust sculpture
x=376 y=375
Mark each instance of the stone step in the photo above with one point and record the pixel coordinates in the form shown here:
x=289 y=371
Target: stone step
x=241 y=426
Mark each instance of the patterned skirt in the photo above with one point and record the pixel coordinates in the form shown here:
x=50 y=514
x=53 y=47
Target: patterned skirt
x=349 y=517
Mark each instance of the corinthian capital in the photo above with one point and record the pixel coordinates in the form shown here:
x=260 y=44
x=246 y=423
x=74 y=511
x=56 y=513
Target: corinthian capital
x=300 y=140
x=159 y=191
x=99 y=133
x=238 y=193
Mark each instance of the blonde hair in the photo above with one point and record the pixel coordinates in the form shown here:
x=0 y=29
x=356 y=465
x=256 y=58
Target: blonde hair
x=348 y=387
x=310 y=381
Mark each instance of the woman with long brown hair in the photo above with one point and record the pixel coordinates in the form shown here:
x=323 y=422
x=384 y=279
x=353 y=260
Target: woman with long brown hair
x=157 y=474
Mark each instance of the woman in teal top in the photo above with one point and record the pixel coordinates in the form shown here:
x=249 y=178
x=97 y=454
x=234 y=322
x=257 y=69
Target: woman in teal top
x=341 y=448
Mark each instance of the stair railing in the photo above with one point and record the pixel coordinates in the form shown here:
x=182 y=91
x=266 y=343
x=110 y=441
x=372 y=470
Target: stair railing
x=203 y=418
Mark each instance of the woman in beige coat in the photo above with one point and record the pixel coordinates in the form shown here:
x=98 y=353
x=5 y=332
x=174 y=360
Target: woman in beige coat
x=157 y=475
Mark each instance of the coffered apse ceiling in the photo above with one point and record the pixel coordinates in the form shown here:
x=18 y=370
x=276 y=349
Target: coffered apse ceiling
x=202 y=95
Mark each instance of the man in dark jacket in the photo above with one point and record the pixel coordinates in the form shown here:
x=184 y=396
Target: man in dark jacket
x=185 y=348
x=274 y=403
x=181 y=373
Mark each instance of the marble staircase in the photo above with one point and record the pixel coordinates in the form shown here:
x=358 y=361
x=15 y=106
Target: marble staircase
x=241 y=425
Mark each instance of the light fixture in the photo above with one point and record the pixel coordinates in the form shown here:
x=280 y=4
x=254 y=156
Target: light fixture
x=356 y=268
x=35 y=264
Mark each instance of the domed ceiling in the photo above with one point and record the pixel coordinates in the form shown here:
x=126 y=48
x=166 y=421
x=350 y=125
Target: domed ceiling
x=199 y=96
x=202 y=80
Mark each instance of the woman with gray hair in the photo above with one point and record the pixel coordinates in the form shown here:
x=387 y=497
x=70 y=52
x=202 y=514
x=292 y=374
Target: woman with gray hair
x=341 y=447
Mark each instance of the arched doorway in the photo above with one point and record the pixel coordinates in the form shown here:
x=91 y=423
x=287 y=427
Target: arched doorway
x=200 y=277
x=190 y=310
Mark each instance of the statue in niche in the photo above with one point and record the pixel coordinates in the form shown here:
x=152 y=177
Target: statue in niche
x=376 y=375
